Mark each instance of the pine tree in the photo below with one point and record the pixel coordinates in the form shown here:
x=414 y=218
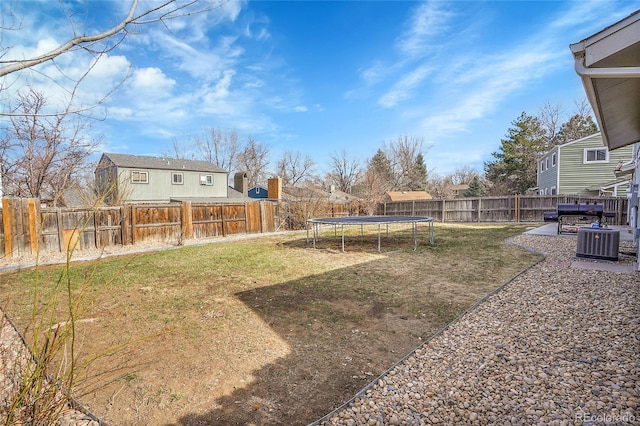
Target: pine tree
x=418 y=174
x=476 y=189
x=577 y=127
x=514 y=169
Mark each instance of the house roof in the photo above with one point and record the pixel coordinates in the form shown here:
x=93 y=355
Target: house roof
x=460 y=187
x=408 y=195
x=147 y=162
x=609 y=185
x=608 y=63
x=315 y=192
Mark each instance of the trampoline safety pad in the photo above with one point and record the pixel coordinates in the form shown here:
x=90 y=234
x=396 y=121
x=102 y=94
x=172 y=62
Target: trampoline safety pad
x=341 y=222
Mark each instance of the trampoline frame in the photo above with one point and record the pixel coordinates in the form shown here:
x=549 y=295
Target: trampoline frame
x=370 y=220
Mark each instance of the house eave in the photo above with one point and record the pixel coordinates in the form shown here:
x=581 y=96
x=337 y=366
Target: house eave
x=608 y=64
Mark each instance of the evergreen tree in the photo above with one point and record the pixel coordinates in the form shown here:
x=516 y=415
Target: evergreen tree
x=476 y=189
x=514 y=168
x=380 y=165
x=418 y=174
x=577 y=127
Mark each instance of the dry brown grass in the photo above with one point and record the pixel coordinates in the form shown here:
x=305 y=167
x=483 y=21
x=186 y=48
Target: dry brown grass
x=269 y=331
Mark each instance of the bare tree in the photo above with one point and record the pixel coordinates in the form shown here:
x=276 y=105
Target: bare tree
x=345 y=172
x=178 y=151
x=440 y=186
x=403 y=155
x=463 y=174
x=375 y=182
x=41 y=155
x=578 y=125
x=253 y=160
x=294 y=169
x=219 y=147
x=550 y=117
x=96 y=44
x=159 y=12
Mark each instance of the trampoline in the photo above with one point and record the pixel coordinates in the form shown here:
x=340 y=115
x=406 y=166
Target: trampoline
x=370 y=220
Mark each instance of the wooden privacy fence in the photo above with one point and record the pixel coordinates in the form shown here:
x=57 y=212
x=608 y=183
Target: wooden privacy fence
x=27 y=228
x=514 y=208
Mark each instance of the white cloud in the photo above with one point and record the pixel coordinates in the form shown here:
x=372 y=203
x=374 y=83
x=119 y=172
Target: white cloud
x=486 y=81
x=119 y=113
x=221 y=89
x=300 y=108
x=429 y=20
x=403 y=88
x=151 y=82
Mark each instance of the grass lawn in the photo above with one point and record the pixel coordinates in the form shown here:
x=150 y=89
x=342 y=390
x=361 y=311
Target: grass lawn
x=265 y=331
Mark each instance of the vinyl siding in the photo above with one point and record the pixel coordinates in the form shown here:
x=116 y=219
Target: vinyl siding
x=160 y=189
x=575 y=176
x=548 y=179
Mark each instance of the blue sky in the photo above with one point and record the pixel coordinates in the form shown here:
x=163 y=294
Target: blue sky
x=322 y=77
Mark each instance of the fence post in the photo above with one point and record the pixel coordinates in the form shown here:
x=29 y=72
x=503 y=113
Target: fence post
x=187 y=220
x=125 y=222
x=444 y=210
x=261 y=209
x=479 y=208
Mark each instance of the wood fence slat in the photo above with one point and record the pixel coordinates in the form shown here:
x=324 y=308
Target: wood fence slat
x=6 y=224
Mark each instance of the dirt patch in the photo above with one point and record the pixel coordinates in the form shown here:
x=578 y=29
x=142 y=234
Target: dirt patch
x=268 y=332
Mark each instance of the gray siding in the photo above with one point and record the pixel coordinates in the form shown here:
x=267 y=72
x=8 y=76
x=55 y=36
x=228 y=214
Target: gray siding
x=548 y=179
x=161 y=189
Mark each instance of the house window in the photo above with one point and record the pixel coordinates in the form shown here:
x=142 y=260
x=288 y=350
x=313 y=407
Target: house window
x=138 y=176
x=546 y=163
x=206 y=180
x=596 y=155
x=541 y=166
x=554 y=159
x=553 y=190
x=177 y=178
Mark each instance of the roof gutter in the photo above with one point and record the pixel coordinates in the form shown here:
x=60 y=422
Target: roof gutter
x=588 y=74
x=619 y=72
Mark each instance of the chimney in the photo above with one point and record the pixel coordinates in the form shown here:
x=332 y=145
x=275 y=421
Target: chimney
x=241 y=183
x=274 y=188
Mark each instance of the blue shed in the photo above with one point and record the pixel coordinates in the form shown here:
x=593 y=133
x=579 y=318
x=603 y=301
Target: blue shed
x=258 y=192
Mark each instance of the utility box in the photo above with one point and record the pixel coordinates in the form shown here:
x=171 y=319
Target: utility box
x=598 y=243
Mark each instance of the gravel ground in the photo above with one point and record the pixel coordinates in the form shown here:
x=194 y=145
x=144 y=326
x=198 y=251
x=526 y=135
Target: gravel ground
x=557 y=346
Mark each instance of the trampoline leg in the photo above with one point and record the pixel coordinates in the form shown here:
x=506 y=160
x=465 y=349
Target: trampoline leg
x=415 y=236
x=378 y=238
x=343 y=238
x=431 y=233
x=315 y=231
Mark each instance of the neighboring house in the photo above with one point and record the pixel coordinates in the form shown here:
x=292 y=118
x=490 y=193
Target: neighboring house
x=258 y=192
x=154 y=179
x=407 y=196
x=459 y=190
x=582 y=167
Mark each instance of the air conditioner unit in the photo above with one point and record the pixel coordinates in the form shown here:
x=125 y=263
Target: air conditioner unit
x=598 y=243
